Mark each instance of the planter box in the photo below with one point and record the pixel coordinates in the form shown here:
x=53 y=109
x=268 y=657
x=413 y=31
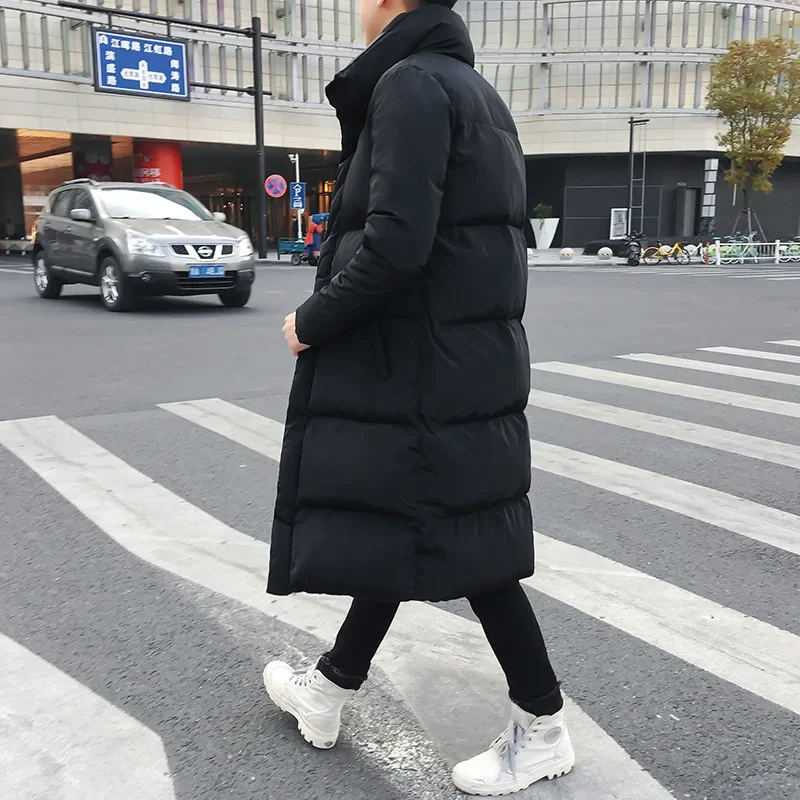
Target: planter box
x=544 y=230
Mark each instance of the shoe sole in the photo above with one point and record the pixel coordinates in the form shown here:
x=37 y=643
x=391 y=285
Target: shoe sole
x=556 y=770
x=313 y=736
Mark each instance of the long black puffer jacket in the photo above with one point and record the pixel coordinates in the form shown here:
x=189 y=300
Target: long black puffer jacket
x=406 y=458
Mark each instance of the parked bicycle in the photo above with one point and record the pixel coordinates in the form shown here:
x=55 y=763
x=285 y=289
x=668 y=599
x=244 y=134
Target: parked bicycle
x=791 y=250
x=676 y=254
x=739 y=248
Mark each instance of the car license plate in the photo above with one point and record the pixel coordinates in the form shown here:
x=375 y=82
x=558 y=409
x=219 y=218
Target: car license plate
x=207 y=271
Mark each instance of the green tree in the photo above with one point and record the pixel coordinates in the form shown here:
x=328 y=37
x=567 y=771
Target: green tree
x=755 y=88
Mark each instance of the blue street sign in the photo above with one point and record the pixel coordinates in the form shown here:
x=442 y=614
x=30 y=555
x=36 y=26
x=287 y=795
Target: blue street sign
x=297 y=195
x=140 y=65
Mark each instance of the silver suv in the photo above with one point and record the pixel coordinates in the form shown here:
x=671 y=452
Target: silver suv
x=134 y=239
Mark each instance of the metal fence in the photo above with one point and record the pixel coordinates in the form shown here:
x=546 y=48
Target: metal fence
x=544 y=56
x=777 y=252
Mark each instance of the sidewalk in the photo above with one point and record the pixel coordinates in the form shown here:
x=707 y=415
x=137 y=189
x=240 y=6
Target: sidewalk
x=536 y=258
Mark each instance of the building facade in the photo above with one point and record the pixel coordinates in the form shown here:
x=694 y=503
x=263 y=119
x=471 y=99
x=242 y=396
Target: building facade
x=572 y=71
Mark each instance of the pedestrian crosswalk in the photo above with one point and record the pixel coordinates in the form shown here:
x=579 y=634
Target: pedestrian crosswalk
x=692 y=641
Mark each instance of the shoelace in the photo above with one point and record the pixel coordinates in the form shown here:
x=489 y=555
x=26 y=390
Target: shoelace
x=303 y=678
x=507 y=744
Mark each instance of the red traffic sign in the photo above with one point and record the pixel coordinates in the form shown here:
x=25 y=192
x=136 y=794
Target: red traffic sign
x=276 y=186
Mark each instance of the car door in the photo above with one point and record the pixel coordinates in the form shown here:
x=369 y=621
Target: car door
x=78 y=236
x=50 y=229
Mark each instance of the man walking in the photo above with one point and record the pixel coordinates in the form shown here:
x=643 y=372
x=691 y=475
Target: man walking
x=406 y=460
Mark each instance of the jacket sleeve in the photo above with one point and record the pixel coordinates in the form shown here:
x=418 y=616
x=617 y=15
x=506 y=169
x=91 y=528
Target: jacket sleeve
x=410 y=132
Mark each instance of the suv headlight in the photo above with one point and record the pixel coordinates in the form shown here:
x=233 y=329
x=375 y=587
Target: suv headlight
x=139 y=245
x=245 y=247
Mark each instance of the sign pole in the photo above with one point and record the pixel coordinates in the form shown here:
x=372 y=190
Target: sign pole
x=258 y=99
x=275 y=186
x=299 y=212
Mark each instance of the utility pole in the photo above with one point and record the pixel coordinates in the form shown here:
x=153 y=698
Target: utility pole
x=258 y=101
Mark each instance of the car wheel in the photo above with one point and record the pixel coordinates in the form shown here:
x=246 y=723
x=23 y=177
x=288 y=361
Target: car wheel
x=115 y=292
x=47 y=286
x=235 y=298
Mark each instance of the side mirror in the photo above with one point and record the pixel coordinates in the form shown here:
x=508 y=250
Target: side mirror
x=220 y=217
x=81 y=215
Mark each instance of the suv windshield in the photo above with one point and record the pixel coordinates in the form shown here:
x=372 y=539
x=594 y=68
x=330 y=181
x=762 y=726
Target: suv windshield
x=152 y=203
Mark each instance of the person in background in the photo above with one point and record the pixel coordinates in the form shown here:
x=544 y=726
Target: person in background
x=313 y=241
x=406 y=459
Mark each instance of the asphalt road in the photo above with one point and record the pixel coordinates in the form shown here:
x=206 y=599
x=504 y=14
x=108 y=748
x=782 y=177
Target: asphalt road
x=134 y=522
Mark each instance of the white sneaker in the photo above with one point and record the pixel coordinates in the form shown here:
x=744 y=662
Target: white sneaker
x=310 y=698
x=530 y=749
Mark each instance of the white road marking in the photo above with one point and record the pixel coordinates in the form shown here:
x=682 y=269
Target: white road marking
x=440 y=663
x=793 y=278
x=60 y=740
x=20 y=271
x=718 y=369
x=717 y=438
x=717 y=639
x=738 y=648
x=768 y=274
x=722 y=396
x=233 y=422
x=763 y=354
x=755 y=521
x=789 y=342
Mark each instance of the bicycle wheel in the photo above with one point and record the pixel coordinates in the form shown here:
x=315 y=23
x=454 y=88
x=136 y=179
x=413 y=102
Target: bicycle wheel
x=652 y=256
x=679 y=256
x=730 y=253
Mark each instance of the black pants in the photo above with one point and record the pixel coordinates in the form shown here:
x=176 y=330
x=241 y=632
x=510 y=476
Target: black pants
x=508 y=622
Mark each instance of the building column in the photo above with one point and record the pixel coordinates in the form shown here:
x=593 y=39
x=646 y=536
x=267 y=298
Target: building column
x=157 y=161
x=92 y=157
x=12 y=215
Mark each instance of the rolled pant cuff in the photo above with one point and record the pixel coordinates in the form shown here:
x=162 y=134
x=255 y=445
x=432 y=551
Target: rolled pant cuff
x=544 y=706
x=335 y=675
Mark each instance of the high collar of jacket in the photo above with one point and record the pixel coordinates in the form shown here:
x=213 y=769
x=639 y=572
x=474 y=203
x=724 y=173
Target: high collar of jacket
x=431 y=28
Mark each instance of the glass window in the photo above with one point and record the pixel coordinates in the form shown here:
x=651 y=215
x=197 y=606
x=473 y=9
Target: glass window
x=60 y=204
x=82 y=199
x=152 y=203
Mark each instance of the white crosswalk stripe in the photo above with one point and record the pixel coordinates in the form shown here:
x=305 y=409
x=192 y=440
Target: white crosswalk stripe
x=745 y=353
x=435 y=660
x=712 y=366
x=768 y=274
x=44 y=733
x=729 y=441
x=237 y=424
x=752 y=402
x=734 y=514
